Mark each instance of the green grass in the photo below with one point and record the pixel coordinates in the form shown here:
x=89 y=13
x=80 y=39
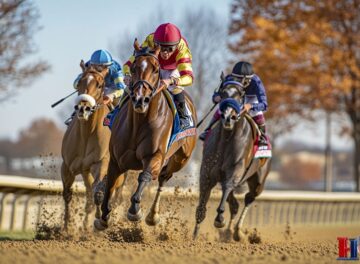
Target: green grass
x=16 y=235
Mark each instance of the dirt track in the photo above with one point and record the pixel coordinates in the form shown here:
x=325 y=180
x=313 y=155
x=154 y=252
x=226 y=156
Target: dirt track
x=171 y=241
x=310 y=245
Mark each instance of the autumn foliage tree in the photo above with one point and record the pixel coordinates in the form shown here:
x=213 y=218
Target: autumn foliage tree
x=18 y=20
x=307 y=53
x=41 y=137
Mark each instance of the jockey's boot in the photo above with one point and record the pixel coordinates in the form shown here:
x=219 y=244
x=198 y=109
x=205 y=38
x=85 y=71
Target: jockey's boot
x=263 y=138
x=204 y=134
x=68 y=121
x=181 y=108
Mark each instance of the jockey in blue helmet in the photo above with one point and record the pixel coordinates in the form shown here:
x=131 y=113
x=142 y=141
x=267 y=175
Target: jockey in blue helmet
x=114 y=83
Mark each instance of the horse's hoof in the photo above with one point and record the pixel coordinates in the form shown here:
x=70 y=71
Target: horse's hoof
x=238 y=235
x=135 y=217
x=100 y=225
x=218 y=224
x=152 y=220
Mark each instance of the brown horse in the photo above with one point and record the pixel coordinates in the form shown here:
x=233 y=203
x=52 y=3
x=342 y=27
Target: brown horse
x=140 y=136
x=85 y=146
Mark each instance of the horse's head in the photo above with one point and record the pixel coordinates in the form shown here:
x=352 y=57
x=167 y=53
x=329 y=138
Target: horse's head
x=90 y=91
x=230 y=88
x=145 y=72
x=231 y=112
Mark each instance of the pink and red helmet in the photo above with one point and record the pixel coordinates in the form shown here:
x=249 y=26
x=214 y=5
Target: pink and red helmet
x=167 y=35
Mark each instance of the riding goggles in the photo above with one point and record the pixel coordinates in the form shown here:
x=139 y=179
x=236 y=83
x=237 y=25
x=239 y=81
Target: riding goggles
x=168 y=48
x=245 y=80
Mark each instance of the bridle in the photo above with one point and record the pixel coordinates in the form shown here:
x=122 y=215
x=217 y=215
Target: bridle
x=154 y=88
x=239 y=88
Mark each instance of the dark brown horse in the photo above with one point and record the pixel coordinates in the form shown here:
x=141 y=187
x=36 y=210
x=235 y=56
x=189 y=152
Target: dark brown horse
x=140 y=135
x=85 y=146
x=228 y=158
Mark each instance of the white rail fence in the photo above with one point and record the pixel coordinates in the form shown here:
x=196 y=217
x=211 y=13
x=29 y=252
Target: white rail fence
x=22 y=201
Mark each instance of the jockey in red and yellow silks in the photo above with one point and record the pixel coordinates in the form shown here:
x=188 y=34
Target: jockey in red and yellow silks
x=175 y=64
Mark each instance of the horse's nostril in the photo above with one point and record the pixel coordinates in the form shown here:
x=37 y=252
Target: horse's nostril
x=233 y=118
x=133 y=99
x=147 y=100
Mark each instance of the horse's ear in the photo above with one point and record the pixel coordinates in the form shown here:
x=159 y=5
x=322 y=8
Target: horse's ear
x=136 y=45
x=157 y=50
x=222 y=76
x=82 y=65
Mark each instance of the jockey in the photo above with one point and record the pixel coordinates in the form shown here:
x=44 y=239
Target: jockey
x=255 y=98
x=114 y=83
x=175 y=65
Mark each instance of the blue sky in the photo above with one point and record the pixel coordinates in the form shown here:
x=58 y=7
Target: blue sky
x=71 y=31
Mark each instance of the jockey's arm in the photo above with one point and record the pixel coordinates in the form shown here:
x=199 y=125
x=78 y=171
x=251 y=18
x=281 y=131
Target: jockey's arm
x=262 y=104
x=149 y=42
x=119 y=85
x=184 y=66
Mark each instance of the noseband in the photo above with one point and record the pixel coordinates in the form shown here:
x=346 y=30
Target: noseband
x=91 y=109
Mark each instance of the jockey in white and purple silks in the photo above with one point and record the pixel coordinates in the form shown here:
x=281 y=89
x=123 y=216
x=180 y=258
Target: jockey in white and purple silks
x=255 y=98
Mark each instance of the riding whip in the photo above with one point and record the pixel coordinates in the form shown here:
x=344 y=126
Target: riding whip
x=58 y=102
x=202 y=120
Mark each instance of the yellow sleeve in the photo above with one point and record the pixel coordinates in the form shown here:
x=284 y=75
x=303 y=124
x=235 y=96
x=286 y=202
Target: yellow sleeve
x=184 y=65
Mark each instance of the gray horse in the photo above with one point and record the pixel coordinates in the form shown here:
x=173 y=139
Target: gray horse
x=228 y=159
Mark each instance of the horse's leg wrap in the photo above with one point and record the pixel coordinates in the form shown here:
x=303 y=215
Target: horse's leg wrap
x=134 y=210
x=98 y=190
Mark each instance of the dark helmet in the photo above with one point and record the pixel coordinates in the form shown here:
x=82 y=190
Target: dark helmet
x=243 y=71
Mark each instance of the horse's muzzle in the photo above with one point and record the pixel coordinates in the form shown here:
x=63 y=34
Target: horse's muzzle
x=228 y=122
x=83 y=111
x=140 y=104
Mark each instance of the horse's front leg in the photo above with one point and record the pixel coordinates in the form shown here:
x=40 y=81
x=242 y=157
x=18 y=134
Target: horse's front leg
x=152 y=167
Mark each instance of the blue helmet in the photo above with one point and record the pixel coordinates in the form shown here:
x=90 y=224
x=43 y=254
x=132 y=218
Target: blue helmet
x=101 y=57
